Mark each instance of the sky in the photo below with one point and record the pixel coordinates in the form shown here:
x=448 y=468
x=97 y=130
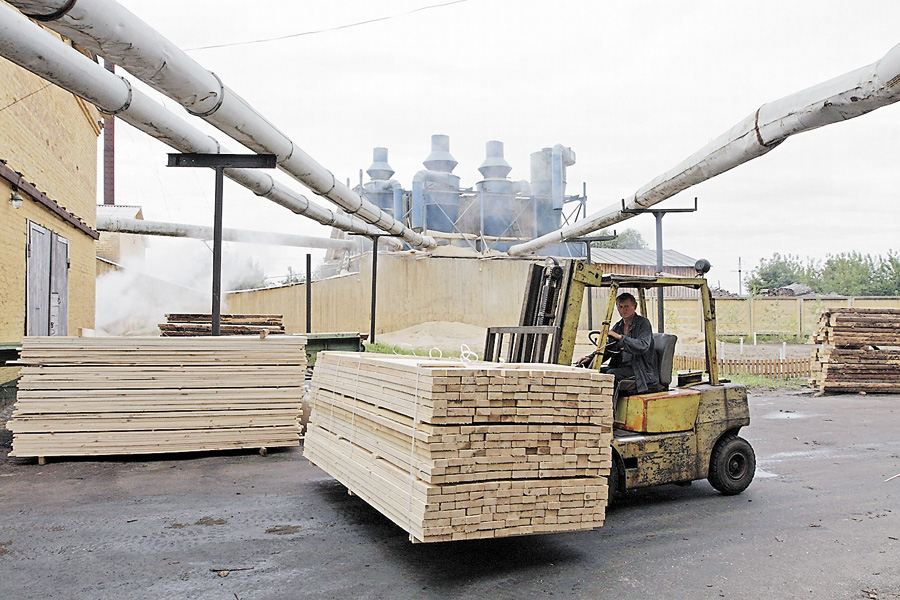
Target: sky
x=632 y=87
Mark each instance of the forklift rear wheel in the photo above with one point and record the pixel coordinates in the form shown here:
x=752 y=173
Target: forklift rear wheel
x=732 y=465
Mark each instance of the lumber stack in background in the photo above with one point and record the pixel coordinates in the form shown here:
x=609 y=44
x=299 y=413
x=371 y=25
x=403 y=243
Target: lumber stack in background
x=200 y=324
x=860 y=352
x=452 y=451
x=111 y=396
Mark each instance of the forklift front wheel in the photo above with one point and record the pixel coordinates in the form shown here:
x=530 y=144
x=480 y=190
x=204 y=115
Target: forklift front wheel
x=732 y=465
x=616 y=489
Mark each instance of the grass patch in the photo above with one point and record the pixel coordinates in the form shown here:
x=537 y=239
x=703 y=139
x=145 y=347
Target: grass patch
x=758 y=382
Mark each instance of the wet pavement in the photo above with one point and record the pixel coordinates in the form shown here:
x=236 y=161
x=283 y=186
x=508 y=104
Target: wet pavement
x=818 y=522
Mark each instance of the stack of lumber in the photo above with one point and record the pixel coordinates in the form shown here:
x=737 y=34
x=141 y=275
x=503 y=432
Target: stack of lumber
x=870 y=370
x=861 y=351
x=199 y=324
x=858 y=327
x=452 y=451
x=106 y=396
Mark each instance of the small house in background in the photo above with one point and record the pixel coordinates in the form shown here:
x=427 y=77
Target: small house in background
x=643 y=262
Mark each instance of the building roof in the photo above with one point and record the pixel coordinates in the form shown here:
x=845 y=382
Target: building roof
x=119 y=210
x=615 y=256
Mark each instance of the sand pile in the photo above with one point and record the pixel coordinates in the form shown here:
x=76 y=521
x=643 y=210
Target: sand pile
x=444 y=335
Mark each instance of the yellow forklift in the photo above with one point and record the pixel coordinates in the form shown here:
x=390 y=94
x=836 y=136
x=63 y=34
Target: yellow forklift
x=674 y=434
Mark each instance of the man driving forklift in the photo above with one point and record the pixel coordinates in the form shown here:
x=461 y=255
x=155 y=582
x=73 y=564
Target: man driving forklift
x=630 y=348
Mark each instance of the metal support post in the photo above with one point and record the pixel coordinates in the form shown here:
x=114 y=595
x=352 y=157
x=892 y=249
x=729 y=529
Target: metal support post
x=374 y=239
x=217 y=254
x=660 y=312
x=309 y=293
x=220 y=162
x=374 y=286
x=587 y=255
x=659 y=213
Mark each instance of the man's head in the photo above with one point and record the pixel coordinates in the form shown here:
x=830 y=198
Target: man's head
x=626 y=305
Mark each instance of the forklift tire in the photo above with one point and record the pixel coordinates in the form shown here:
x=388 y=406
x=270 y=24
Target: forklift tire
x=731 y=465
x=616 y=485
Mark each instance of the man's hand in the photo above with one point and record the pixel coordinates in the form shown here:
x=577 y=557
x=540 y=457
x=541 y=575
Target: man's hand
x=585 y=361
x=615 y=336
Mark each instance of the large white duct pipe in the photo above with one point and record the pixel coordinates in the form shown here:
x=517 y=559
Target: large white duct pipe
x=32 y=48
x=838 y=99
x=200 y=232
x=113 y=32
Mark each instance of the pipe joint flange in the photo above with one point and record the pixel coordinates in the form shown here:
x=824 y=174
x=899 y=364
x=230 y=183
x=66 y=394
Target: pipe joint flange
x=333 y=183
x=58 y=13
x=218 y=103
x=127 y=104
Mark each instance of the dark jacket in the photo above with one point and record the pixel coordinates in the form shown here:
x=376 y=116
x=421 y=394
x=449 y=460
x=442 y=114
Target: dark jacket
x=636 y=348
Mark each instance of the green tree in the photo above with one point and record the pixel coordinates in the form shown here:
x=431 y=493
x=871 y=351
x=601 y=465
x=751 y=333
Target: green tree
x=850 y=274
x=887 y=277
x=780 y=271
x=627 y=239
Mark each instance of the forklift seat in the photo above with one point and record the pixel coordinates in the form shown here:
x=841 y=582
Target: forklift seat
x=664 y=347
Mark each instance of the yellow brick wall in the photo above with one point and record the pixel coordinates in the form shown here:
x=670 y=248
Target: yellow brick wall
x=49 y=136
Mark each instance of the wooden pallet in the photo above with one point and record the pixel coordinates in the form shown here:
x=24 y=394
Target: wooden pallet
x=453 y=451
x=108 y=396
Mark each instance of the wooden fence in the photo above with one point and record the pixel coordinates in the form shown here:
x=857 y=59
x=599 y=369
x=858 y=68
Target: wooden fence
x=775 y=368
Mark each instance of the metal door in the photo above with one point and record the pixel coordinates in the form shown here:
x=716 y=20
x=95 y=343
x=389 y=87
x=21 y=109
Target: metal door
x=37 y=277
x=59 y=285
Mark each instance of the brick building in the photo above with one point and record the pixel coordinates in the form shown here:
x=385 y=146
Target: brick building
x=48 y=181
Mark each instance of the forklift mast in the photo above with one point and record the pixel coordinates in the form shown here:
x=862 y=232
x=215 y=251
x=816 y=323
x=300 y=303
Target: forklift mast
x=551 y=312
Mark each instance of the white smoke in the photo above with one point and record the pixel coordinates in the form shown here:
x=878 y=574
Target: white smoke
x=175 y=277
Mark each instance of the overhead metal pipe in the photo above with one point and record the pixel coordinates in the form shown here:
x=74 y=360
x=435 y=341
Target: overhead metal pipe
x=36 y=50
x=108 y=29
x=201 y=232
x=845 y=97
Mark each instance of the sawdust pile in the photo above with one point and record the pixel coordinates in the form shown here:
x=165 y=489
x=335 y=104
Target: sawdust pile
x=444 y=335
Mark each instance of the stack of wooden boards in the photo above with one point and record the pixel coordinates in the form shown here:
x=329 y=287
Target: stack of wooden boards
x=861 y=351
x=198 y=324
x=452 y=451
x=106 y=396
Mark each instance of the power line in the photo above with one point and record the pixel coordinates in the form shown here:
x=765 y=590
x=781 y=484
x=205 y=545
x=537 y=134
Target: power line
x=293 y=35
x=45 y=86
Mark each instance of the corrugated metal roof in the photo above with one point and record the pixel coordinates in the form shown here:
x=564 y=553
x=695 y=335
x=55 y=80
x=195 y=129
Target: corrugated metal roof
x=615 y=256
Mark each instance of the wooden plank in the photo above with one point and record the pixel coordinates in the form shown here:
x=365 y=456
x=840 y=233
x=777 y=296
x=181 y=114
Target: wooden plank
x=463 y=451
x=98 y=396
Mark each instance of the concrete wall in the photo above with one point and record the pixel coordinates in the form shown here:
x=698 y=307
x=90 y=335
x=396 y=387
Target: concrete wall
x=411 y=290
x=488 y=292
x=49 y=136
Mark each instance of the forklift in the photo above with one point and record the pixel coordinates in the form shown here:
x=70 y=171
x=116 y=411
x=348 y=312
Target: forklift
x=670 y=435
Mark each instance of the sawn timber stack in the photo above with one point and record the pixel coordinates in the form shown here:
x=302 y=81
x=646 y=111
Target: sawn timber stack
x=107 y=396
x=200 y=324
x=861 y=351
x=452 y=451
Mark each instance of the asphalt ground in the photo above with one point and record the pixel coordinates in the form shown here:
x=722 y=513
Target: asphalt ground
x=819 y=522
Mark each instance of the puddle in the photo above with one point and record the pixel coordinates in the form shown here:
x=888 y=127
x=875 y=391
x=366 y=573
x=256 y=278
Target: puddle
x=787 y=414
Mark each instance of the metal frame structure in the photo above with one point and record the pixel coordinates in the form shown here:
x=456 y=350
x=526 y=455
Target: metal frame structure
x=220 y=162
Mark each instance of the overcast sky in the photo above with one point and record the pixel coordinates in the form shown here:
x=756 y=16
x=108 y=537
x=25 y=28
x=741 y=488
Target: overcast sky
x=632 y=87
